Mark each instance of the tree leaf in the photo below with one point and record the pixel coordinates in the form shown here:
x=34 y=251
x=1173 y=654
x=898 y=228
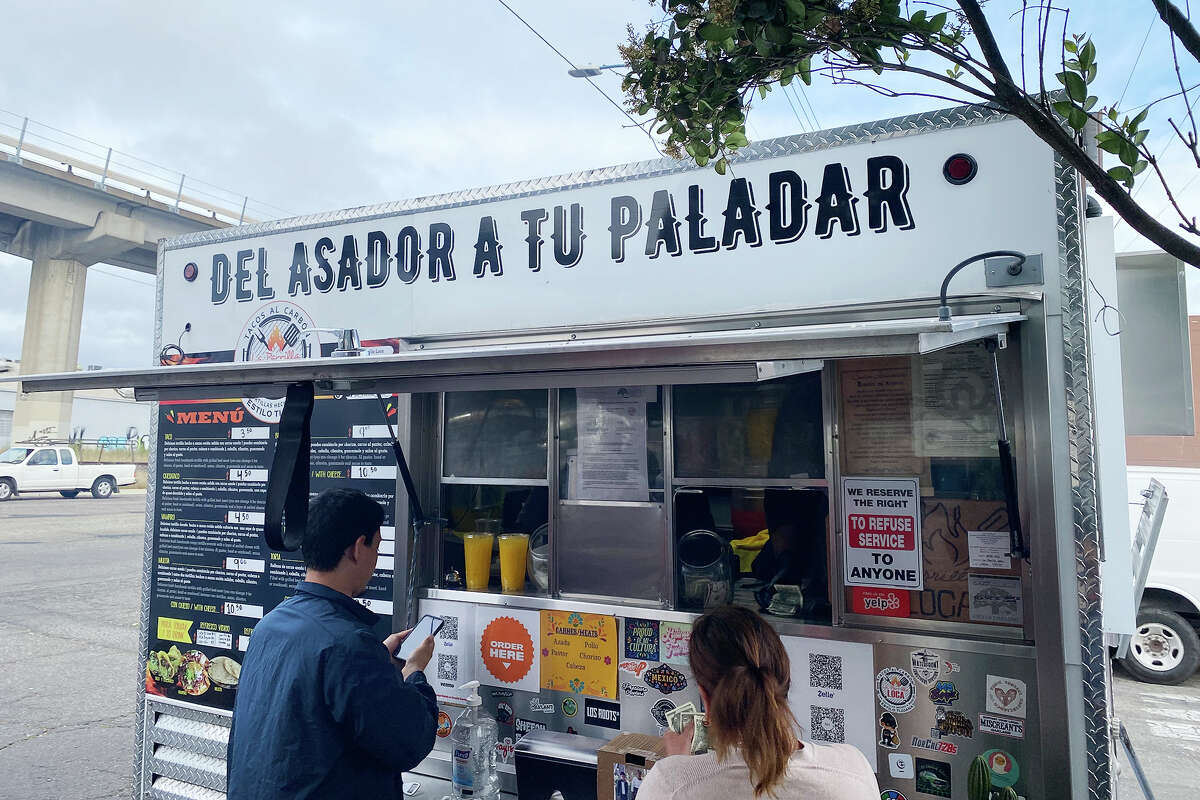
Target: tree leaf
x=1140 y=137
x=805 y=67
x=938 y=21
x=666 y=126
x=1087 y=54
x=1110 y=145
x=1063 y=107
x=737 y=139
x=1070 y=46
x=1122 y=174
x=1140 y=166
x=1128 y=154
x=1138 y=120
x=712 y=32
x=1090 y=103
x=797 y=8
x=763 y=89
x=1076 y=88
x=1077 y=119
x=720 y=166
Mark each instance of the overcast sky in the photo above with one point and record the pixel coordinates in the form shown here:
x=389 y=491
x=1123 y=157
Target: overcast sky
x=317 y=106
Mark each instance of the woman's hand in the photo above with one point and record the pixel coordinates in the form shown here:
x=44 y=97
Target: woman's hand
x=680 y=744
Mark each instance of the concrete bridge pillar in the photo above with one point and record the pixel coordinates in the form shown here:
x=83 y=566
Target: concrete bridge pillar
x=54 y=310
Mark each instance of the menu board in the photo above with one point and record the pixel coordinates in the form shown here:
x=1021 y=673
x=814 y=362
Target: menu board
x=213 y=576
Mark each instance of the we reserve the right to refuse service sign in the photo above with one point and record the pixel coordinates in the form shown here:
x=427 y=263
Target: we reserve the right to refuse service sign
x=881 y=522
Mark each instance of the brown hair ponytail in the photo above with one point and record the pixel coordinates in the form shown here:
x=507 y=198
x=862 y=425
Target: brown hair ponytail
x=740 y=662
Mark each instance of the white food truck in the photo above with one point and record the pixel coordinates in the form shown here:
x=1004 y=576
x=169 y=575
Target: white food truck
x=855 y=384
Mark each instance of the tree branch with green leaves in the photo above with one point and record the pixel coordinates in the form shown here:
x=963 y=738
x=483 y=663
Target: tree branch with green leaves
x=697 y=70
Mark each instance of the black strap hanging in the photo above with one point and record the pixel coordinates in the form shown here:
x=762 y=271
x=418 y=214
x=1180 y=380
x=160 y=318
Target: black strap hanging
x=1008 y=464
x=288 y=481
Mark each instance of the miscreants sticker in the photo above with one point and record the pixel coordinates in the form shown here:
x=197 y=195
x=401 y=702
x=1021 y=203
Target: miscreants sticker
x=881 y=522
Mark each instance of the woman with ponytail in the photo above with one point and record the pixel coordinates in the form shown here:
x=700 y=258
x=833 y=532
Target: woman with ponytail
x=743 y=673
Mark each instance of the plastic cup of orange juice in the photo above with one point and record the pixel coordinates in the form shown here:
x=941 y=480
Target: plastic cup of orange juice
x=477 y=553
x=514 y=548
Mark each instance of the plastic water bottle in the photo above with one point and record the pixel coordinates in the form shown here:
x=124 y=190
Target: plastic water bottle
x=473 y=742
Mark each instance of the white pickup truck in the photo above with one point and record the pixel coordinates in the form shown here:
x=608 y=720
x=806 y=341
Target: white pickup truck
x=30 y=468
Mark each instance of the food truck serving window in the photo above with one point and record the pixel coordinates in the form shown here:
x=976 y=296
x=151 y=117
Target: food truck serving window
x=923 y=512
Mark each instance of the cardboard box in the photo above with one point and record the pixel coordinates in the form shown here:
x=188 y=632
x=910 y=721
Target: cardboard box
x=622 y=764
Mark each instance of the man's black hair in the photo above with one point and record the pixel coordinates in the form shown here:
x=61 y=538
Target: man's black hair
x=336 y=518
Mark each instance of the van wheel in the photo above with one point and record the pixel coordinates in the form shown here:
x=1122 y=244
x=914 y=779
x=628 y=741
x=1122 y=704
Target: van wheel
x=102 y=489
x=7 y=489
x=1165 y=647
x=69 y=493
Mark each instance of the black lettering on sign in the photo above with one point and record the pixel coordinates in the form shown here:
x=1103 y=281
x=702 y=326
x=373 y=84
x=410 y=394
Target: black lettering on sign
x=698 y=240
x=568 y=245
x=300 y=274
x=241 y=276
x=602 y=713
x=836 y=203
x=533 y=219
x=887 y=190
x=264 y=292
x=408 y=254
x=441 y=251
x=324 y=281
x=662 y=228
x=349 y=272
x=741 y=217
x=487 y=249
x=379 y=259
x=220 y=278
x=788 y=203
x=625 y=221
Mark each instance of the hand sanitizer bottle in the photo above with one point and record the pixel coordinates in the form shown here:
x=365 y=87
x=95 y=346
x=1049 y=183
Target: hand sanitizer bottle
x=473 y=745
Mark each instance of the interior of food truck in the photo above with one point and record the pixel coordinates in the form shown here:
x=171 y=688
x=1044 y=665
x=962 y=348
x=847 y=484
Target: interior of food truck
x=686 y=496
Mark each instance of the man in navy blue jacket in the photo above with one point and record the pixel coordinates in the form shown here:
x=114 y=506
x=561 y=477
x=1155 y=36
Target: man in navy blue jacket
x=322 y=709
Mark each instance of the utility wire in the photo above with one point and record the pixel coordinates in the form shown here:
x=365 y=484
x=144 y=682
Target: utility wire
x=804 y=94
x=795 y=113
x=595 y=86
x=1146 y=38
x=122 y=277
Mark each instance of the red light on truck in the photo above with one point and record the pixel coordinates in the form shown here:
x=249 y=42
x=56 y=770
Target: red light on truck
x=190 y=271
x=960 y=168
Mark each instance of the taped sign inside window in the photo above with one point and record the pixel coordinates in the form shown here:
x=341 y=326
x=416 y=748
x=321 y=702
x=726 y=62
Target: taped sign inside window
x=881 y=525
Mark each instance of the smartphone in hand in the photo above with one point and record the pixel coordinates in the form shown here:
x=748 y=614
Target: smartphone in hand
x=428 y=625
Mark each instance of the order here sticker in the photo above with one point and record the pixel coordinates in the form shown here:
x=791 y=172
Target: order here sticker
x=881 y=525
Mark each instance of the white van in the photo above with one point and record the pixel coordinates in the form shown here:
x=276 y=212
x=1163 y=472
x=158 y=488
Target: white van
x=1166 y=646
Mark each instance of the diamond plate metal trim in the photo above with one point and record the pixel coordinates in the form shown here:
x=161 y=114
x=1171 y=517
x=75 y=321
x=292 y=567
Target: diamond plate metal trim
x=1081 y=448
x=194 y=768
x=943 y=119
x=141 y=774
x=192 y=735
x=171 y=789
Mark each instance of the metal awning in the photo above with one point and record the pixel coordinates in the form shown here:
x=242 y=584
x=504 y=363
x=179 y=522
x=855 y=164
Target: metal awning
x=740 y=355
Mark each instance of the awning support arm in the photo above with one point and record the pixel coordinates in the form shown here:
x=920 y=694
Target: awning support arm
x=1008 y=464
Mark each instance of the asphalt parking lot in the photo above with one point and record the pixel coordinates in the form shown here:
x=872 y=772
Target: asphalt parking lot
x=70 y=579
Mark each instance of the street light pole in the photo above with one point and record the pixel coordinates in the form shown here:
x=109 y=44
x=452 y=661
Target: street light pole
x=591 y=71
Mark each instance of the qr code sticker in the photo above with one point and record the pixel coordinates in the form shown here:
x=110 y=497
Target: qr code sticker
x=449 y=632
x=447 y=669
x=828 y=724
x=824 y=672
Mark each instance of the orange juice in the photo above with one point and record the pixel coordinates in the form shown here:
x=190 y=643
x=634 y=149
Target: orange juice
x=477 y=552
x=513 y=550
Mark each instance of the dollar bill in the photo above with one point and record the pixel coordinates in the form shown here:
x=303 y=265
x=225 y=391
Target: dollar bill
x=699 y=734
x=677 y=718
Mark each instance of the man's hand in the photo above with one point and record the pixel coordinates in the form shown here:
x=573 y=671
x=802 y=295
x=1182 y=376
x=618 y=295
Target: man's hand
x=680 y=744
x=419 y=658
x=392 y=642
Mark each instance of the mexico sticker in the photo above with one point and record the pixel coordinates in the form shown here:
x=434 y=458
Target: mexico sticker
x=278 y=331
x=881 y=526
x=896 y=690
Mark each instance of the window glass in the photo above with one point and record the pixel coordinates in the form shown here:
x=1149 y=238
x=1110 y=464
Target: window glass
x=771 y=429
x=14 y=455
x=43 y=458
x=496 y=434
x=932 y=419
x=471 y=509
x=611 y=444
x=67 y=456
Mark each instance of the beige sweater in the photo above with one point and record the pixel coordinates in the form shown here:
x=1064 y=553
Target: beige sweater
x=816 y=772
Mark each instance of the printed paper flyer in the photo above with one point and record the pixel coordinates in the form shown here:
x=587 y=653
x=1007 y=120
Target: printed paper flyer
x=579 y=653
